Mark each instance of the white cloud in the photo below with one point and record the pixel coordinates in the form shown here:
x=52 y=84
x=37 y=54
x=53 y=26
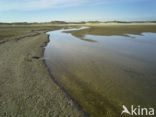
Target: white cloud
x=44 y=4
x=38 y=4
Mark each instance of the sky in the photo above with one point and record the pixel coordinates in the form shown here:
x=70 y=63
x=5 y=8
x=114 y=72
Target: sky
x=77 y=10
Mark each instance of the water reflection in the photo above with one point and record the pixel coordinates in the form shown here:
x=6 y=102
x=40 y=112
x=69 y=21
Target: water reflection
x=103 y=76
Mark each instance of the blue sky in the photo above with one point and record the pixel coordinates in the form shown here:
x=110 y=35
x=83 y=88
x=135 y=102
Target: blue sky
x=76 y=10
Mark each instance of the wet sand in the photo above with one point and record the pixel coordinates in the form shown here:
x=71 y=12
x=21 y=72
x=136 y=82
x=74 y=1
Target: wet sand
x=27 y=89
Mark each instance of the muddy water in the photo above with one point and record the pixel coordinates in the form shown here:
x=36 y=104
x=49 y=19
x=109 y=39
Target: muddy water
x=106 y=73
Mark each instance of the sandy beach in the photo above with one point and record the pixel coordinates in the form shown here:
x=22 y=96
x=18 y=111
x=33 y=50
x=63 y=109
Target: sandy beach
x=27 y=89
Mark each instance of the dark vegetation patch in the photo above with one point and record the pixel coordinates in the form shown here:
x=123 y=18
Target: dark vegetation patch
x=11 y=32
x=36 y=57
x=109 y=30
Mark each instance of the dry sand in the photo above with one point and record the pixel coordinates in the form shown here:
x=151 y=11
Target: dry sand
x=26 y=88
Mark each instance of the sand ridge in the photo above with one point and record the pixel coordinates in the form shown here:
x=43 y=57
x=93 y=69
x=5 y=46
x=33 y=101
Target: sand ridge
x=26 y=87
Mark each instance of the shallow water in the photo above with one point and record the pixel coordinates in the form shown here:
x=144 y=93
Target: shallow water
x=106 y=73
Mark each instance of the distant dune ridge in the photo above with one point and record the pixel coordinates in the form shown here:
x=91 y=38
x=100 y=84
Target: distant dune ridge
x=81 y=22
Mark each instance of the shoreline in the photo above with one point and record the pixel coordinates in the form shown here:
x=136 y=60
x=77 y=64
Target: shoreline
x=79 y=107
x=27 y=88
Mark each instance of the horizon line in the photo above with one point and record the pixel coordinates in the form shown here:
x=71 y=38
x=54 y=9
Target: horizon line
x=92 y=21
